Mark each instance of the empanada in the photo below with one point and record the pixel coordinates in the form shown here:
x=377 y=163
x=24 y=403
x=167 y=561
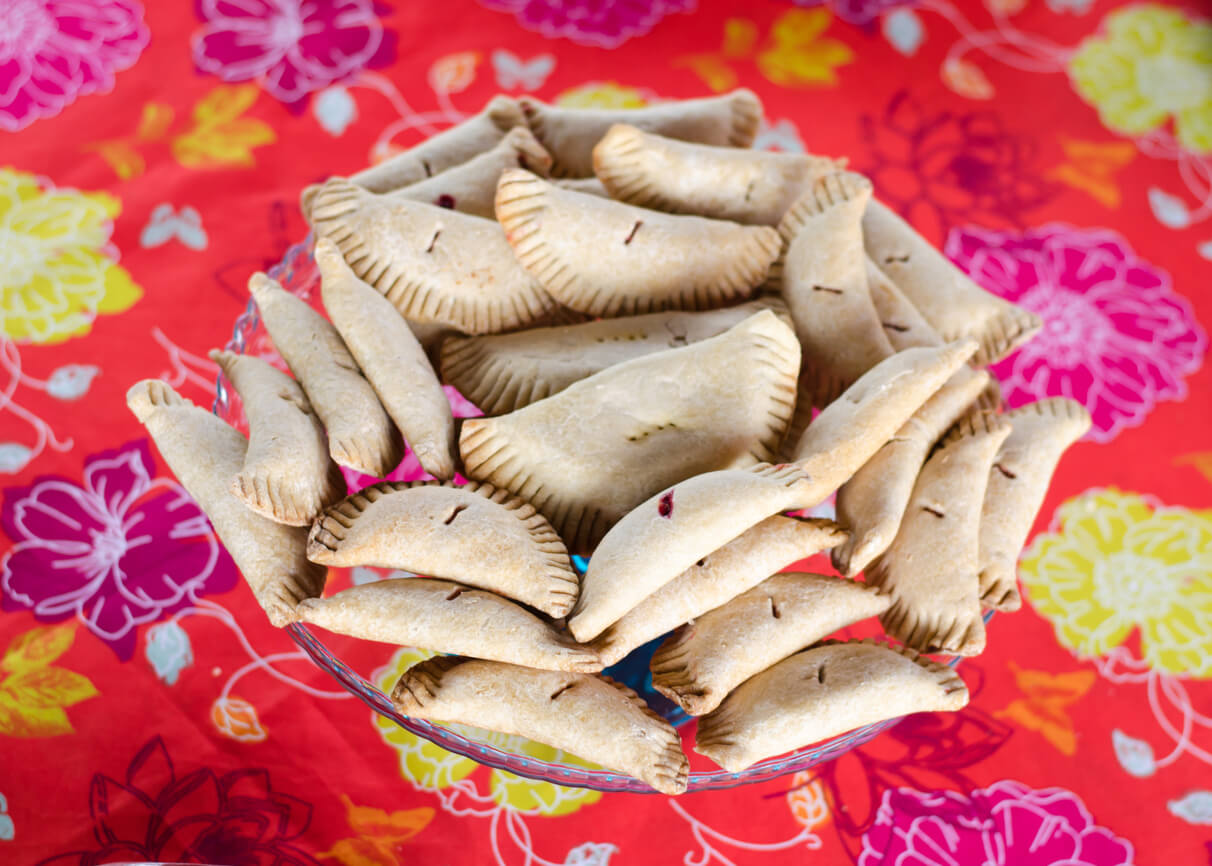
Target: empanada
x=857 y=424
x=569 y=134
x=606 y=258
x=1017 y=483
x=754 y=187
x=820 y=693
x=721 y=575
x=475 y=534
x=205 y=454
x=448 y=618
x=699 y=665
x=951 y=302
x=664 y=536
x=586 y=185
x=903 y=324
x=590 y=716
x=931 y=568
x=392 y=360
x=872 y=503
x=504 y=372
x=287 y=474
x=824 y=282
x=589 y=454
x=435 y=265
x=360 y=435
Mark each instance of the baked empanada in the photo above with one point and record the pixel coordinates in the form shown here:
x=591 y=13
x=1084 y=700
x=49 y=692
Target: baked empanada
x=205 y=454
x=435 y=265
x=857 y=424
x=360 y=435
x=903 y=324
x=475 y=534
x=287 y=475
x=589 y=454
x=824 y=282
x=820 y=693
x=448 y=618
x=664 y=536
x=754 y=187
x=931 y=568
x=1017 y=483
x=504 y=372
x=392 y=360
x=590 y=716
x=606 y=258
x=586 y=185
x=872 y=503
x=699 y=665
x=721 y=575
x=569 y=134
x=951 y=302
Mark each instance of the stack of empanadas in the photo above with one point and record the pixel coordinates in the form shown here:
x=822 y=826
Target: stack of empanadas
x=677 y=343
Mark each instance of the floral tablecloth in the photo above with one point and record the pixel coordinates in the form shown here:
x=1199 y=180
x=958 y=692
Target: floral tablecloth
x=150 y=158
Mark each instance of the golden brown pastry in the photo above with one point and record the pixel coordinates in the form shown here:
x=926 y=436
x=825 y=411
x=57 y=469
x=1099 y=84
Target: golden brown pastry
x=721 y=575
x=820 y=693
x=475 y=534
x=1040 y=433
x=569 y=134
x=504 y=372
x=448 y=618
x=700 y=664
x=435 y=265
x=753 y=187
x=590 y=716
x=360 y=435
x=606 y=258
x=287 y=475
x=589 y=454
x=931 y=568
x=205 y=454
x=392 y=360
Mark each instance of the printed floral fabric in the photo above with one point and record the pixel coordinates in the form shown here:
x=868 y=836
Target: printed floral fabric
x=152 y=156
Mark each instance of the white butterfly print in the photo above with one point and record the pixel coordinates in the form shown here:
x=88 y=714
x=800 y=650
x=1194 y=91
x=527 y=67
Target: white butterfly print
x=513 y=73
x=165 y=224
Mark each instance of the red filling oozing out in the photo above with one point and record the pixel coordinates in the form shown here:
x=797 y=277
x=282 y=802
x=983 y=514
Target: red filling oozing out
x=665 y=508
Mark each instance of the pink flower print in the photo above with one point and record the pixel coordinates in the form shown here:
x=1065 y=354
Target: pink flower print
x=595 y=23
x=1006 y=823
x=1116 y=337
x=121 y=549
x=290 y=47
x=861 y=12
x=53 y=51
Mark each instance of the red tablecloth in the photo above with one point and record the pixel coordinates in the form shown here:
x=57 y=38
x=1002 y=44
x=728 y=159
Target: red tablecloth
x=150 y=160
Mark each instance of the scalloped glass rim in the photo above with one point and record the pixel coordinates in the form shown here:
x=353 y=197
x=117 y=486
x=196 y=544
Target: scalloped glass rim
x=298 y=258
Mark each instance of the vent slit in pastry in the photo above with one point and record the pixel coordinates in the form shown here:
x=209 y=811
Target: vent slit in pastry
x=392 y=360
x=951 y=302
x=931 y=568
x=594 y=717
x=499 y=542
x=659 y=261
x=360 y=434
x=205 y=454
x=796 y=702
x=590 y=453
x=1040 y=433
x=435 y=265
x=570 y=134
x=699 y=665
x=448 y=618
x=287 y=475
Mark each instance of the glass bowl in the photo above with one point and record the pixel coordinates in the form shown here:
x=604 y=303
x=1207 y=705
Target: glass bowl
x=297 y=273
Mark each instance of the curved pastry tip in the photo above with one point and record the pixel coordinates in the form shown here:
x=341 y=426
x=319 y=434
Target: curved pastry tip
x=145 y=396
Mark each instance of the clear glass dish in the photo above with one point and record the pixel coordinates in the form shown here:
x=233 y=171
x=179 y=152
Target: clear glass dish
x=297 y=274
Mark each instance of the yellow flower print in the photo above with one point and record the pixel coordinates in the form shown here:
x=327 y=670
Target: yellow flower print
x=1153 y=63
x=57 y=270
x=602 y=94
x=1117 y=563
x=431 y=767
